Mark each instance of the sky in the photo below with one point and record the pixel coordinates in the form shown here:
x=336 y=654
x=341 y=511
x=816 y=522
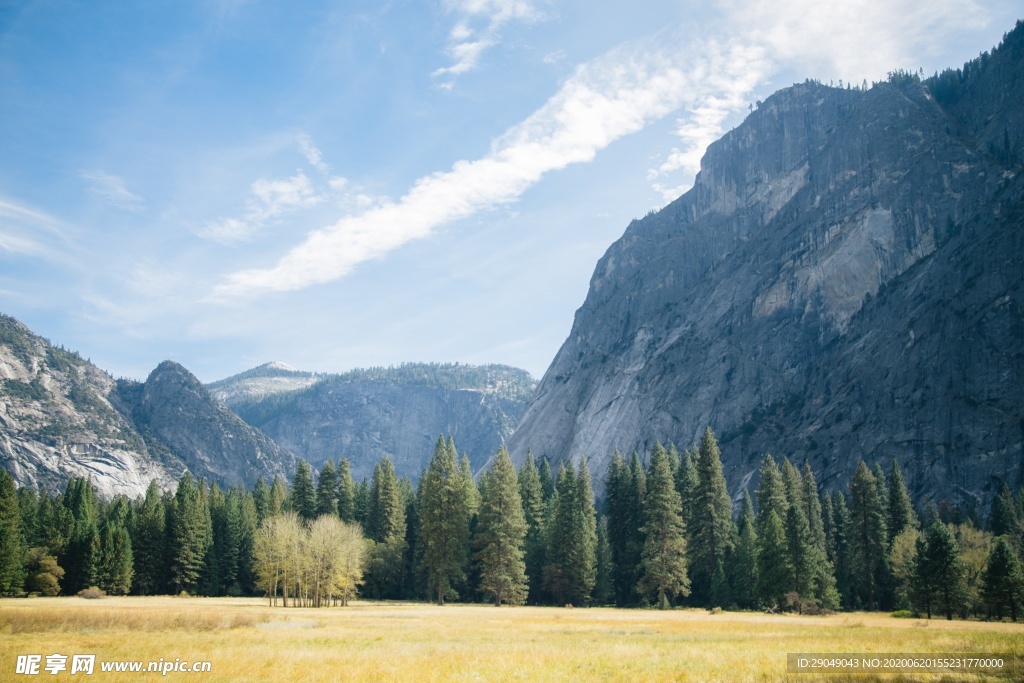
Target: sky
x=348 y=184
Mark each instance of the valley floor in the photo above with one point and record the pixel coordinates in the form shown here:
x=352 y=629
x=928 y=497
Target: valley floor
x=245 y=640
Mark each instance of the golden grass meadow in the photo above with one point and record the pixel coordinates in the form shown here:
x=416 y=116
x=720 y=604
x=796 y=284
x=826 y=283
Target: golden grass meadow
x=245 y=640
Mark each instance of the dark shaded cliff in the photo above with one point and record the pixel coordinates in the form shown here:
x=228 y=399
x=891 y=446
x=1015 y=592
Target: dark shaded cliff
x=843 y=282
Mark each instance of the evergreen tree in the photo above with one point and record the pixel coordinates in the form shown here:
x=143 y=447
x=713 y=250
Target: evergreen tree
x=346 y=492
x=278 y=497
x=28 y=512
x=571 y=571
x=444 y=521
x=939 y=573
x=501 y=535
x=81 y=553
x=771 y=495
x=624 y=496
x=116 y=568
x=841 y=541
x=327 y=491
x=303 y=493
x=1004 y=581
x=534 y=511
x=822 y=568
x=547 y=482
x=361 y=503
x=901 y=513
x=798 y=545
x=1003 y=516
x=773 y=570
x=663 y=559
x=686 y=485
x=261 y=499
x=386 y=526
x=12 y=541
x=190 y=536
x=867 y=537
x=604 y=587
x=242 y=515
x=711 y=530
x=149 y=542
x=744 y=567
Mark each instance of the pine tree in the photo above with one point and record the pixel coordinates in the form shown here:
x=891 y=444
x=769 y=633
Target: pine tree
x=686 y=485
x=939 y=573
x=361 y=502
x=547 y=482
x=744 y=566
x=346 y=492
x=711 y=530
x=900 y=513
x=1004 y=581
x=327 y=491
x=583 y=566
x=1003 y=517
x=663 y=559
x=81 y=553
x=501 y=535
x=444 y=521
x=822 y=569
x=841 y=540
x=12 y=541
x=303 y=493
x=116 y=568
x=623 y=500
x=771 y=495
x=534 y=511
x=149 y=542
x=261 y=499
x=773 y=570
x=278 y=497
x=604 y=587
x=386 y=526
x=189 y=534
x=867 y=535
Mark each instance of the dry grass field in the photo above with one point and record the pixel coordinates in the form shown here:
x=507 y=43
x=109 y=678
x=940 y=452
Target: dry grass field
x=245 y=640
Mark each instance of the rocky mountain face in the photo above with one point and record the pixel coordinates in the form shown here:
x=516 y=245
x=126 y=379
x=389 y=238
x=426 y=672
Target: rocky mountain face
x=62 y=417
x=843 y=282
x=59 y=418
x=398 y=412
x=211 y=440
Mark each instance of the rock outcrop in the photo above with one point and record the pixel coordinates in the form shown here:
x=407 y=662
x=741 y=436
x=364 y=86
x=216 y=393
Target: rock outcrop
x=59 y=419
x=843 y=282
x=62 y=417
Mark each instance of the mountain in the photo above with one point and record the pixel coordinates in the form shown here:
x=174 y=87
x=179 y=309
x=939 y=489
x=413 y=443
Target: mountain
x=210 y=439
x=62 y=417
x=842 y=282
x=369 y=413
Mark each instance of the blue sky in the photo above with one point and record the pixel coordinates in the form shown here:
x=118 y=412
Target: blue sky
x=346 y=184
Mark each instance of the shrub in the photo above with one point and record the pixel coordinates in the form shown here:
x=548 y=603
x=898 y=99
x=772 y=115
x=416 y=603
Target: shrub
x=92 y=593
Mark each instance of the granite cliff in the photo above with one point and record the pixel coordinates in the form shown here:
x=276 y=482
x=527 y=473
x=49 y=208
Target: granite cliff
x=843 y=282
x=62 y=417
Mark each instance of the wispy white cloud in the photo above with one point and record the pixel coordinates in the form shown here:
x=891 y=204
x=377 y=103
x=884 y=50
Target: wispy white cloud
x=312 y=153
x=111 y=189
x=27 y=231
x=478 y=29
x=268 y=199
x=604 y=100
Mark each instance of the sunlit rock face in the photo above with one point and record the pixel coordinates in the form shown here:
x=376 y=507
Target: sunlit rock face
x=843 y=282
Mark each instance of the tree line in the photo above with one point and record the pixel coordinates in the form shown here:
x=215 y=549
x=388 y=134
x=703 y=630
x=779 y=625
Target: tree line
x=668 y=534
